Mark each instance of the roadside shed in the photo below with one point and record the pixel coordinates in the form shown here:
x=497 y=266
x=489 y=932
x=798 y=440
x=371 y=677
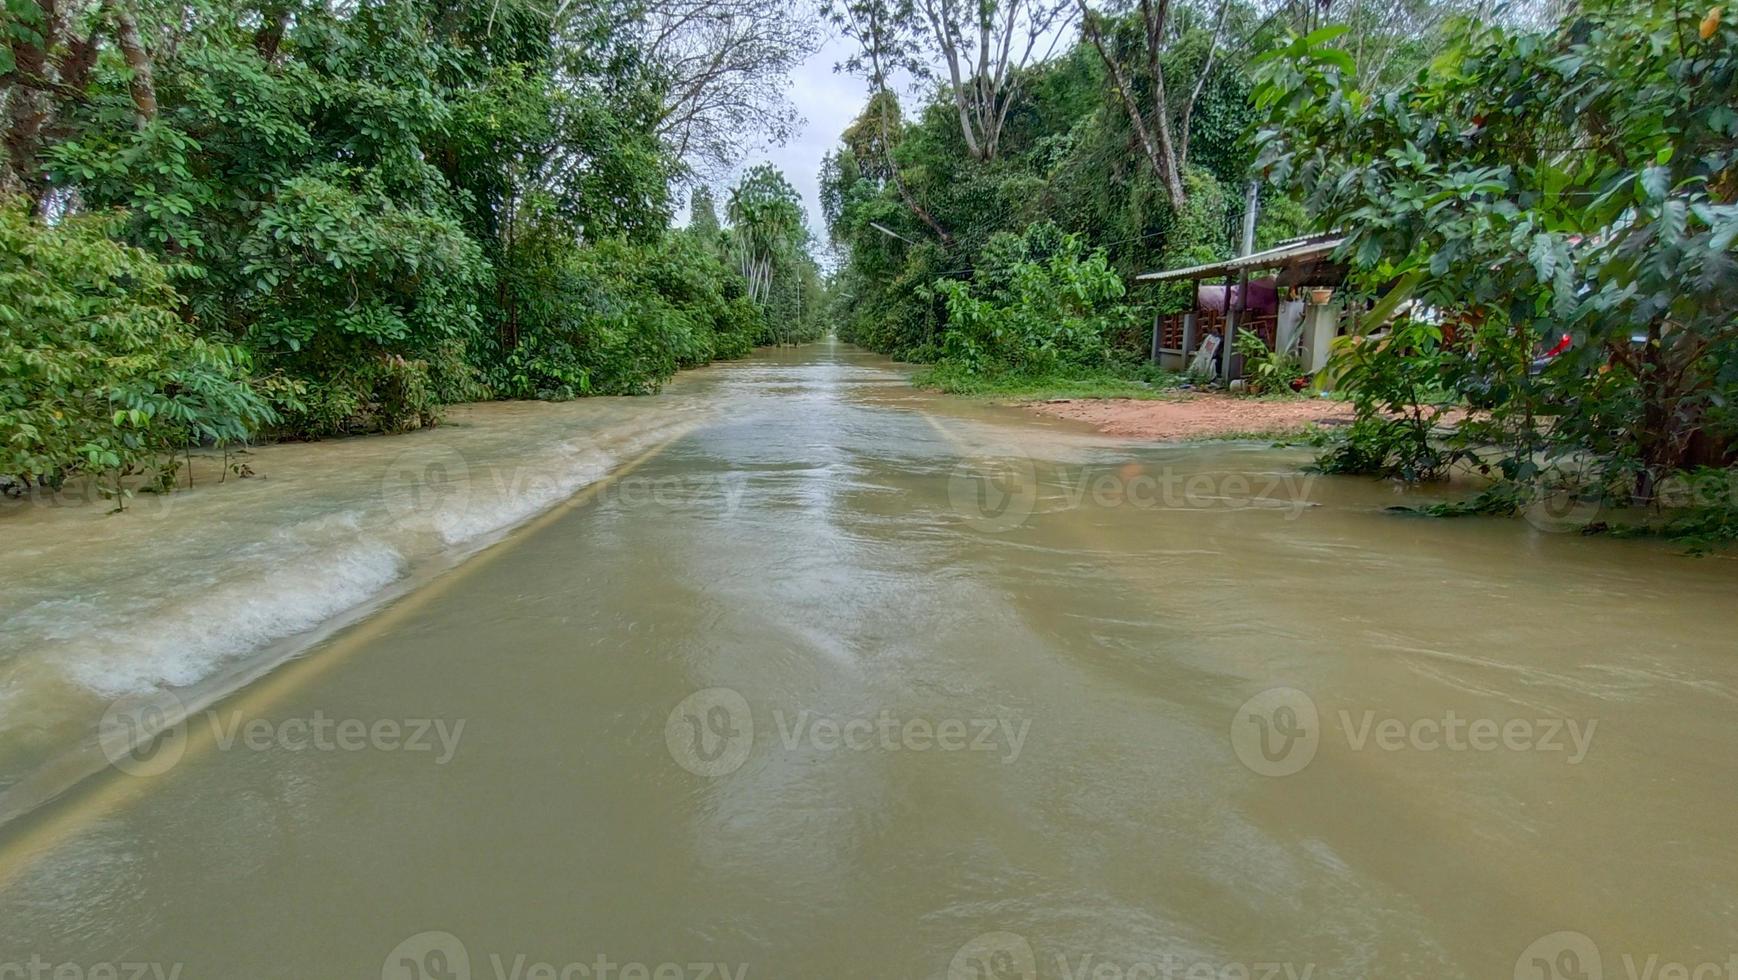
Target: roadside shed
x=1292 y=307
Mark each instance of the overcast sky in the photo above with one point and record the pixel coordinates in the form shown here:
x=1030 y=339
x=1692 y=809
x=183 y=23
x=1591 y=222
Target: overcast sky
x=828 y=101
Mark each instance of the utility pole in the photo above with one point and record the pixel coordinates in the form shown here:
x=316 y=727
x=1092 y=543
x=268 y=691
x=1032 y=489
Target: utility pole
x=1240 y=299
x=1251 y=209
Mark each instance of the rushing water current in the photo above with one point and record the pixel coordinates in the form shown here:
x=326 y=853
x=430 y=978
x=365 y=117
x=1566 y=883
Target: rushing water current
x=797 y=671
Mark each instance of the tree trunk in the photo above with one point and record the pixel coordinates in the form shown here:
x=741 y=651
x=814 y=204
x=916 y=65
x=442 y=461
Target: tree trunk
x=1251 y=212
x=879 y=95
x=1157 y=145
x=1155 y=16
x=27 y=111
x=271 y=34
x=1673 y=394
x=899 y=184
x=950 y=53
x=1200 y=86
x=143 y=85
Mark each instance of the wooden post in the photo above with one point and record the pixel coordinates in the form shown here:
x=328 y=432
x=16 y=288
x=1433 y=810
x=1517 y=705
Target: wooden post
x=1188 y=336
x=1158 y=321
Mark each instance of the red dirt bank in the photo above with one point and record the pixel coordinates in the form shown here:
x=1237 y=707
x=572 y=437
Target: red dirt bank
x=1195 y=415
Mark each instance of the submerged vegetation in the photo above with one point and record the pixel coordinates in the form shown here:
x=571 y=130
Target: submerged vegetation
x=1540 y=210
x=992 y=230
x=1550 y=218
x=224 y=218
x=97 y=371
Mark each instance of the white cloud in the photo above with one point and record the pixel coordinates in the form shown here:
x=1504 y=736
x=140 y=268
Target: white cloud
x=828 y=101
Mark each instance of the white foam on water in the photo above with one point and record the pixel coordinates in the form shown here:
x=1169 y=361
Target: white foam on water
x=502 y=497
x=187 y=640
x=225 y=575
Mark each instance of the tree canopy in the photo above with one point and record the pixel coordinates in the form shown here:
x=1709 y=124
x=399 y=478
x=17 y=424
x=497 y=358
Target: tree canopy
x=355 y=213
x=1571 y=188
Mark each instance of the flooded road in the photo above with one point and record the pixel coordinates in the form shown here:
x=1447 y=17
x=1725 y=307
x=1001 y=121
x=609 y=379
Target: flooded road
x=835 y=678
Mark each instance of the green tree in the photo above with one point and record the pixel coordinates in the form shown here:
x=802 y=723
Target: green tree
x=98 y=373
x=1533 y=186
x=766 y=223
x=703 y=216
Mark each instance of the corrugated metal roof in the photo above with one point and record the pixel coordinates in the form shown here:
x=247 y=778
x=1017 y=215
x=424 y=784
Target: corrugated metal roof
x=1288 y=252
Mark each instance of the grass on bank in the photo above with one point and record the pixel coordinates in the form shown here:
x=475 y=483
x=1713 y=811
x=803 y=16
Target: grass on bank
x=1141 y=381
x=1282 y=437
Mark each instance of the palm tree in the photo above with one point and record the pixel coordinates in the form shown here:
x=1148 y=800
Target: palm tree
x=766 y=219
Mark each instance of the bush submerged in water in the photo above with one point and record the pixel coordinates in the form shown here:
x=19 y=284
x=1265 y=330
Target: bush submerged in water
x=98 y=372
x=372 y=333
x=616 y=317
x=1041 y=305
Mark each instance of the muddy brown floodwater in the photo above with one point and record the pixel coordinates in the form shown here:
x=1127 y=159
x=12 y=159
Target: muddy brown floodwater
x=800 y=672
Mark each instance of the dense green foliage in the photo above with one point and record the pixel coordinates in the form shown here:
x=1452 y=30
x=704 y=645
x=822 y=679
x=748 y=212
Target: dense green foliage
x=370 y=211
x=97 y=370
x=1037 y=306
x=925 y=227
x=619 y=317
x=1577 y=183
x=769 y=243
x=1540 y=218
